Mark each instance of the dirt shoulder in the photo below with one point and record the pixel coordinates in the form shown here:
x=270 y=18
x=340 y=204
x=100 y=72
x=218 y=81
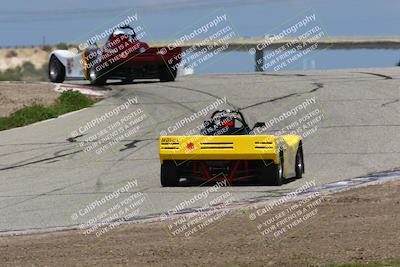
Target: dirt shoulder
x=359 y=225
x=14 y=96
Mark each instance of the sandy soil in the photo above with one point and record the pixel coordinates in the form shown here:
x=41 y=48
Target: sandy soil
x=360 y=225
x=10 y=60
x=15 y=95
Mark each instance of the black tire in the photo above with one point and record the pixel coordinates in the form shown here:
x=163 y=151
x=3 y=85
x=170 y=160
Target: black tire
x=169 y=174
x=167 y=74
x=97 y=77
x=271 y=173
x=56 y=70
x=299 y=162
x=127 y=80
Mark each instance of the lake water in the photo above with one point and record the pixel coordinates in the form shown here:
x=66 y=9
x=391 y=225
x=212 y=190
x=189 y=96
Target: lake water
x=31 y=23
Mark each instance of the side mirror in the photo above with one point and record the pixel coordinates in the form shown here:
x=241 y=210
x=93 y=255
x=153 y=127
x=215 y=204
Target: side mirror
x=259 y=124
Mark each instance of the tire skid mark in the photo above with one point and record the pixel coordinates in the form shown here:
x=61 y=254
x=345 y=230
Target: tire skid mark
x=40 y=154
x=318 y=86
x=26 y=150
x=270 y=100
x=170 y=101
x=201 y=92
x=132 y=145
x=377 y=74
x=284 y=74
x=349 y=126
x=39 y=161
x=358 y=126
x=98 y=182
x=390 y=102
x=34 y=144
x=36 y=196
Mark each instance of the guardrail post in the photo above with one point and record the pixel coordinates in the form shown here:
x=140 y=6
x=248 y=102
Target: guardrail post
x=259 y=57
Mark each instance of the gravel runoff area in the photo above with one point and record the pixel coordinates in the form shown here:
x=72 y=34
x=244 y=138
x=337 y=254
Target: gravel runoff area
x=356 y=226
x=14 y=96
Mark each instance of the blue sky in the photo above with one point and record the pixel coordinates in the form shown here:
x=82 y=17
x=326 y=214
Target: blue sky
x=24 y=22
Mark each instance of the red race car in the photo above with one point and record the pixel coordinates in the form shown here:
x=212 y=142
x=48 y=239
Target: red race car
x=122 y=57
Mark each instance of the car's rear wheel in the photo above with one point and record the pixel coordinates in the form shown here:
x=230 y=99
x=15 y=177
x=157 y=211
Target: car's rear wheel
x=271 y=173
x=167 y=74
x=97 y=77
x=56 y=70
x=299 y=163
x=169 y=174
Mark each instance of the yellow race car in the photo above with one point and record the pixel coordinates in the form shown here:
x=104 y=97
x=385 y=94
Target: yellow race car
x=227 y=149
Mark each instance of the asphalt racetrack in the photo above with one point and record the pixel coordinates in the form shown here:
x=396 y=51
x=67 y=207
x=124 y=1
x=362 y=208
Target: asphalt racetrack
x=48 y=180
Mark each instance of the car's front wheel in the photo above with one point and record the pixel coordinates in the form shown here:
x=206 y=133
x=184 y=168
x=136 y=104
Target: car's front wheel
x=97 y=77
x=169 y=174
x=56 y=70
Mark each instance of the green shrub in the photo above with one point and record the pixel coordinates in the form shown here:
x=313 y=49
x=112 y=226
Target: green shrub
x=11 y=74
x=30 y=73
x=62 y=46
x=47 y=48
x=26 y=72
x=68 y=101
x=71 y=101
x=28 y=67
x=26 y=115
x=11 y=53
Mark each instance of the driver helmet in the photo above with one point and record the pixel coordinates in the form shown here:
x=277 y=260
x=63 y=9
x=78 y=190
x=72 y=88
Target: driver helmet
x=119 y=33
x=227 y=122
